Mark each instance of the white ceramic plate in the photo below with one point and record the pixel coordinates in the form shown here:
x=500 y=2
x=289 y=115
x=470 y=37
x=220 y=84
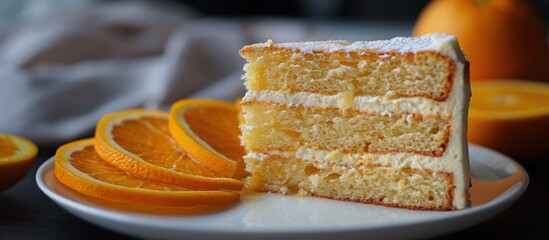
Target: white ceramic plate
x=273 y=216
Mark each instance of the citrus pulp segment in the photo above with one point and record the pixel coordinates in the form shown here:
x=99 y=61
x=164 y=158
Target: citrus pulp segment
x=16 y=157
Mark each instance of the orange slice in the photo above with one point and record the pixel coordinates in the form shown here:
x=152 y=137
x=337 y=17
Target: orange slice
x=510 y=116
x=79 y=167
x=209 y=131
x=138 y=141
x=16 y=157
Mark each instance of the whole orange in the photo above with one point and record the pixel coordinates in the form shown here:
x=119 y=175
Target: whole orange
x=501 y=38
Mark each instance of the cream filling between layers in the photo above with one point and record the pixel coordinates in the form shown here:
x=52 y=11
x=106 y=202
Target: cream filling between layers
x=393 y=160
x=384 y=105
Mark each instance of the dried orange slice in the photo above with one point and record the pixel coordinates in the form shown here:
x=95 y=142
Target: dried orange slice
x=138 y=141
x=208 y=130
x=79 y=167
x=16 y=157
x=510 y=116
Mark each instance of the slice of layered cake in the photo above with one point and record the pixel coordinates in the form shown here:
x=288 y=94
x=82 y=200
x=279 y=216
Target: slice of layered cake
x=380 y=122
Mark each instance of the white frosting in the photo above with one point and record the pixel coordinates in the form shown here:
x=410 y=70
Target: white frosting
x=435 y=41
x=457 y=150
x=375 y=104
x=455 y=157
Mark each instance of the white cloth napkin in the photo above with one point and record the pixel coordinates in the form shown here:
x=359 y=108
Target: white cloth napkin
x=58 y=76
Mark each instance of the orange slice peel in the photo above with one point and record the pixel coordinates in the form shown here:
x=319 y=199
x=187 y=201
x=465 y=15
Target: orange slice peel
x=209 y=131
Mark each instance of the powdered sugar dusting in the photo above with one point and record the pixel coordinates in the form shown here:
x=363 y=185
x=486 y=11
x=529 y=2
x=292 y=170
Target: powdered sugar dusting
x=432 y=41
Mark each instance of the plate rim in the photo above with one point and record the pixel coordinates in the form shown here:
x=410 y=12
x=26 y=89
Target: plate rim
x=489 y=209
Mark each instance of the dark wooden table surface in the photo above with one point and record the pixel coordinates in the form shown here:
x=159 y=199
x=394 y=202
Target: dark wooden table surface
x=26 y=213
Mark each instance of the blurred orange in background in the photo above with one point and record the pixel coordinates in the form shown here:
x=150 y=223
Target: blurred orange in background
x=501 y=38
x=512 y=117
